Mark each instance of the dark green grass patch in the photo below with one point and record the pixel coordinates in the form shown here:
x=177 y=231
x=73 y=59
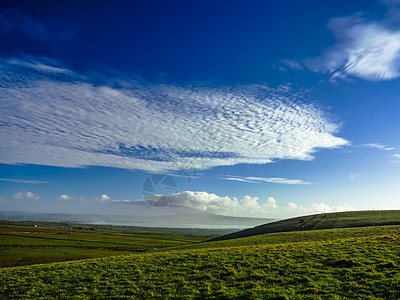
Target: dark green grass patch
x=15 y=256
x=348 y=219
x=25 y=245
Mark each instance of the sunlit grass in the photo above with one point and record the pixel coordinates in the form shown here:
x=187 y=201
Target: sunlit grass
x=342 y=265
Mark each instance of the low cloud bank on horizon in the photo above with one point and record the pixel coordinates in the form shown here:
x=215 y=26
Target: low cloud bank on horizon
x=232 y=206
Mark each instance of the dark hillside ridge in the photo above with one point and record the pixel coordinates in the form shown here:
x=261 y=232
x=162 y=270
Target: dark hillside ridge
x=322 y=221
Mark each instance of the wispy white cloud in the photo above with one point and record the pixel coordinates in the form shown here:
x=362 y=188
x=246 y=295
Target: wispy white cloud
x=104 y=197
x=61 y=118
x=26 y=195
x=241 y=179
x=30 y=195
x=65 y=197
x=127 y=201
x=355 y=176
x=291 y=206
x=292 y=64
x=252 y=179
x=365 y=49
x=396 y=160
x=23 y=181
x=316 y=207
x=14 y=22
x=40 y=64
x=378 y=146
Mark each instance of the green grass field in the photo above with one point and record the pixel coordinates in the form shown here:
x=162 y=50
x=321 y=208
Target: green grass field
x=341 y=263
x=23 y=244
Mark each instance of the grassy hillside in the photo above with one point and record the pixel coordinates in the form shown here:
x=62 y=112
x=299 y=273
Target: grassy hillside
x=23 y=244
x=352 y=263
x=322 y=221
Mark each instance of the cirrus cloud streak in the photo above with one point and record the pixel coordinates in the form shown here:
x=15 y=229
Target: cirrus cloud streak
x=253 y=179
x=365 y=49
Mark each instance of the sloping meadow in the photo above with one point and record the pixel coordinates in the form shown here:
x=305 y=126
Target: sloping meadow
x=348 y=266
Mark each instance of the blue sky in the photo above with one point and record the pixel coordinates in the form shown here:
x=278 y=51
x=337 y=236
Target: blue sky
x=263 y=109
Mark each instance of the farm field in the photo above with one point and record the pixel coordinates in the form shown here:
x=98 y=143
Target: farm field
x=348 y=263
x=23 y=244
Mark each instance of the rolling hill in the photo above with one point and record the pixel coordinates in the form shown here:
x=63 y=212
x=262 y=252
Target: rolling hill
x=347 y=263
x=296 y=258
x=321 y=221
